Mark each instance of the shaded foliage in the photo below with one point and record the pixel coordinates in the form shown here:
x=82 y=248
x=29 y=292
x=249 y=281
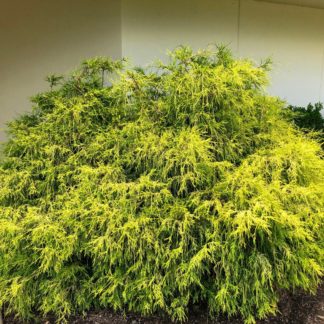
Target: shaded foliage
x=309 y=117
x=177 y=184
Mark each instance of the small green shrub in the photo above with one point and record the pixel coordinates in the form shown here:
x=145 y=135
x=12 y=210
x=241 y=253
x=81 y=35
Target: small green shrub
x=309 y=117
x=176 y=185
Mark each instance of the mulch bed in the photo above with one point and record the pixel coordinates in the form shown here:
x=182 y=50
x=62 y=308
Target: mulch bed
x=293 y=309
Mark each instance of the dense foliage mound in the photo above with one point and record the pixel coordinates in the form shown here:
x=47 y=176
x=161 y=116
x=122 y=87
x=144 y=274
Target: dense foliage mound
x=170 y=186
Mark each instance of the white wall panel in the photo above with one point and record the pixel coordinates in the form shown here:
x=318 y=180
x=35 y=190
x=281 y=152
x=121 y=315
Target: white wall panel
x=39 y=37
x=149 y=28
x=294 y=38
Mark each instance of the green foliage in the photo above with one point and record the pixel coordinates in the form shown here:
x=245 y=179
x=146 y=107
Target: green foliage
x=308 y=118
x=54 y=80
x=176 y=185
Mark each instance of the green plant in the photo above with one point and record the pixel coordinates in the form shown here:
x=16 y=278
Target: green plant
x=176 y=185
x=309 y=119
x=54 y=80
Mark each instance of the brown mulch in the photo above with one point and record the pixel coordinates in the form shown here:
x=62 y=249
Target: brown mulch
x=293 y=309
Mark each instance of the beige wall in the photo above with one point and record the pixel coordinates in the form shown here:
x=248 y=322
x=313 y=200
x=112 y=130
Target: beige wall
x=39 y=37
x=292 y=35
x=151 y=27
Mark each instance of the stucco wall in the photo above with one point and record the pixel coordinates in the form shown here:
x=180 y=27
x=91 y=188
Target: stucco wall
x=39 y=37
x=151 y=27
x=292 y=35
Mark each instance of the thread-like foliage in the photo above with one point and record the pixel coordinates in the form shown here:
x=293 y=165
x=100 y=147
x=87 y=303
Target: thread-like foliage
x=165 y=187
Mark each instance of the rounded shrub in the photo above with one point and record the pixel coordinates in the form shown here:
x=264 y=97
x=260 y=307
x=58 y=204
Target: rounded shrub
x=164 y=187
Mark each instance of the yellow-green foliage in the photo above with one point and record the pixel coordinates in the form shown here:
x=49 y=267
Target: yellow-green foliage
x=170 y=186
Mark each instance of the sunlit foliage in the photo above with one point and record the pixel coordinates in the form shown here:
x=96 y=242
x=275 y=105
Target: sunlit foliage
x=150 y=190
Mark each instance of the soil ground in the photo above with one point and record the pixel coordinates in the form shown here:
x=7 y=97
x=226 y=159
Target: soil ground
x=293 y=309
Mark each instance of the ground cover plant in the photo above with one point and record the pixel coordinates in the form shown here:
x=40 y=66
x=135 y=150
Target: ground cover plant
x=151 y=190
